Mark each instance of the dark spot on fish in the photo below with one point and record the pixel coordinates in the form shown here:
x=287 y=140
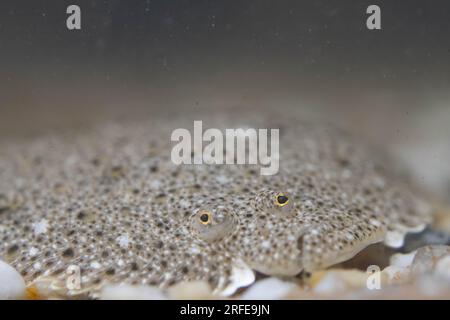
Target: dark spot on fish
x=134 y=266
x=81 y=215
x=110 y=271
x=12 y=249
x=68 y=253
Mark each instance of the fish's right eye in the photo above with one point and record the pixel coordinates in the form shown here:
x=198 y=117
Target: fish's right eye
x=213 y=224
x=281 y=199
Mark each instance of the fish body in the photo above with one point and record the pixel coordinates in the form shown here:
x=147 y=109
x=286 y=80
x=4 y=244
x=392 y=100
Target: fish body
x=112 y=204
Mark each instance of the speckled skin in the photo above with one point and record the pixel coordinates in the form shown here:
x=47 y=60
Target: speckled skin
x=111 y=202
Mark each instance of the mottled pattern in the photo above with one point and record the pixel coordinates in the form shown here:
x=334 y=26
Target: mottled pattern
x=111 y=202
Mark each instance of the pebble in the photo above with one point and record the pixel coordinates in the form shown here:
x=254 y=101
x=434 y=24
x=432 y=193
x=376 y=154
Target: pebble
x=443 y=267
x=12 y=285
x=426 y=259
x=195 y=290
x=131 y=292
x=442 y=220
x=340 y=280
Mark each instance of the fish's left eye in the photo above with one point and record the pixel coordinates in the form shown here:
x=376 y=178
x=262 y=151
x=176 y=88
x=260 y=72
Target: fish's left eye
x=205 y=217
x=281 y=199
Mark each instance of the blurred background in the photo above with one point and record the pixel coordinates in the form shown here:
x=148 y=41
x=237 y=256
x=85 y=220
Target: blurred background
x=311 y=59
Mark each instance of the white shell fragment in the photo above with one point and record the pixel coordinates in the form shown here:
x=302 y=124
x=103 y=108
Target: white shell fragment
x=12 y=285
x=403 y=260
x=398 y=271
x=241 y=276
x=268 y=289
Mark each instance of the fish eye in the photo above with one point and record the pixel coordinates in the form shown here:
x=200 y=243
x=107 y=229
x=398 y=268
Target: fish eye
x=213 y=223
x=205 y=217
x=281 y=200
